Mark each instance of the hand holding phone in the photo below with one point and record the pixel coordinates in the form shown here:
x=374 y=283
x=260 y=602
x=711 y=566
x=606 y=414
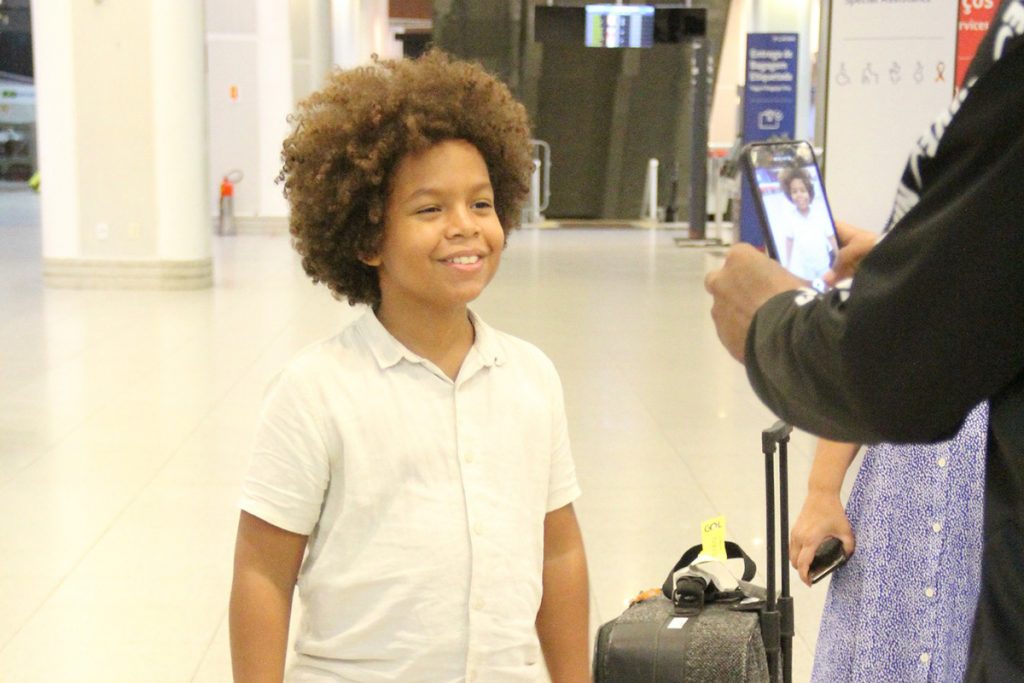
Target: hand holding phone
x=792 y=208
x=829 y=556
x=854 y=245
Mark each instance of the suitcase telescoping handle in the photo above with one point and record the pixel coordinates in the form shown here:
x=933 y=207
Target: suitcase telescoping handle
x=777 y=618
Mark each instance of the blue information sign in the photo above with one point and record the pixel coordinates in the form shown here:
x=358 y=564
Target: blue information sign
x=769 y=106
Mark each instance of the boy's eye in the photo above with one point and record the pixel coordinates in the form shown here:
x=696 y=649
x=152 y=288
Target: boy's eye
x=428 y=209
x=483 y=204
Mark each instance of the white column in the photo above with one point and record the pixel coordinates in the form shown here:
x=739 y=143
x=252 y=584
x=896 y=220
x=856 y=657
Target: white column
x=55 y=127
x=179 y=109
x=120 y=128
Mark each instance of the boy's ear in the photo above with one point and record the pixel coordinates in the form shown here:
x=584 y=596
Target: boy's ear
x=372 y=261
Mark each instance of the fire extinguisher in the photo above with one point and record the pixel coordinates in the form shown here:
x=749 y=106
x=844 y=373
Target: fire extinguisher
x=226 y=216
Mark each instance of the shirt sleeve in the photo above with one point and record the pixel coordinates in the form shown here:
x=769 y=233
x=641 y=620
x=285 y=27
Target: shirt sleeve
x=934 y=320
x=563 y=487
x=289 y=469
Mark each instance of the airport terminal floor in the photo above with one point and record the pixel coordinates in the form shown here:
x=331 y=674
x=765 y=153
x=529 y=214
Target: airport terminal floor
x=125 y=418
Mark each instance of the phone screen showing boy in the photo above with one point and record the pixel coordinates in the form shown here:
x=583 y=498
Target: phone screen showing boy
x=800 y=231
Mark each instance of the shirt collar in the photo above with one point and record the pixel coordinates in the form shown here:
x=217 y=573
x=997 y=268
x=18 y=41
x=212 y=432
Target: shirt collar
x=485 y=343
x=389 y=352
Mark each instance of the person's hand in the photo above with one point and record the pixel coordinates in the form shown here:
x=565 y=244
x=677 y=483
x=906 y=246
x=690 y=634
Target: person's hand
x=821 y=516
x=855 y=244
x=747 y=280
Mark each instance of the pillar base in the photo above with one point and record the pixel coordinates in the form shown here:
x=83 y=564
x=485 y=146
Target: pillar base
x=261 y=225
x=62 y=273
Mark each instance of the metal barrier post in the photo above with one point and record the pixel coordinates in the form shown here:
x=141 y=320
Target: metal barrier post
x=650 y=200
x=540 y=183
x=699 y=140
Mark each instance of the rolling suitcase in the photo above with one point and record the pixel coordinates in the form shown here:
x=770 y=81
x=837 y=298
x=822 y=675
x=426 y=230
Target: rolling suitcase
x=690 y=633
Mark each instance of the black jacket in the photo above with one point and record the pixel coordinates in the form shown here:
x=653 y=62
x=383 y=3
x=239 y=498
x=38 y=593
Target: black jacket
x=933 y=324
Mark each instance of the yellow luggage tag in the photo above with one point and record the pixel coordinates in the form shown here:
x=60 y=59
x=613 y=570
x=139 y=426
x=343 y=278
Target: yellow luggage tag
x=712 y=538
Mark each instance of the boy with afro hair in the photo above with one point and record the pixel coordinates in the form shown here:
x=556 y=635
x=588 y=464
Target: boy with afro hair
x=412 y=475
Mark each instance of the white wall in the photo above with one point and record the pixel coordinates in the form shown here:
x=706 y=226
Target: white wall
x=232 y=80
x=724 y=123
x=271 y=54
x=250 y=92
x=300 y=26
x=276 y=101
x=311 y=45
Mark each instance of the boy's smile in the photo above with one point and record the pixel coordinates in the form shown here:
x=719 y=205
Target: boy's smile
x=466 y=260
x=442 y=237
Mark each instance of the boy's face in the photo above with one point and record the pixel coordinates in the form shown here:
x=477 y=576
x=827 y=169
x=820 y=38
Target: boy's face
x=798 y=194
x=442 y=238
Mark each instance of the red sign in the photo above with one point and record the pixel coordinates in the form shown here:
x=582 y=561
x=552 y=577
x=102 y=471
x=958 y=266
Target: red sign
x=972 y=24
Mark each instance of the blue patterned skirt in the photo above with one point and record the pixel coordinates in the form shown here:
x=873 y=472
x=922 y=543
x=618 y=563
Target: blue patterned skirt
x=901 y=609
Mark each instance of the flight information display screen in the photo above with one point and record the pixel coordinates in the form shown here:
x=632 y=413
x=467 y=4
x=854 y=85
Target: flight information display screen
x=619 y=26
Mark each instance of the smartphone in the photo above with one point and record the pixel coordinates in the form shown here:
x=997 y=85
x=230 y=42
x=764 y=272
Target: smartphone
x=792 y=208
x=829 y=556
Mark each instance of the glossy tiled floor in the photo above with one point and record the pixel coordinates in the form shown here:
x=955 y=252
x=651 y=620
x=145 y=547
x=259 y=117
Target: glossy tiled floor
x=125 y=416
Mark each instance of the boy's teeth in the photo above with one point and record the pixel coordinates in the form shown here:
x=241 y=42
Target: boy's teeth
x=465 y=260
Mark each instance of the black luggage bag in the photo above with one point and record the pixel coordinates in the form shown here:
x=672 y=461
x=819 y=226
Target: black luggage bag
x=743 y=638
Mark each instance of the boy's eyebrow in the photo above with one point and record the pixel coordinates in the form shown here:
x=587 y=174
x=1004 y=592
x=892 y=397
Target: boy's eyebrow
x=432 y=191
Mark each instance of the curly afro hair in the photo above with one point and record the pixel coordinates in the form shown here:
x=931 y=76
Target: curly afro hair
x=349 y=137
x=787 y=177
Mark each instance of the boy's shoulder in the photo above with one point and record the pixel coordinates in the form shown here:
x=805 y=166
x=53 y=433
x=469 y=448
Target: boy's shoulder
x=503 y=345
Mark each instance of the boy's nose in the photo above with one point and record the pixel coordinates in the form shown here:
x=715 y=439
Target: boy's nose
x=462 y=223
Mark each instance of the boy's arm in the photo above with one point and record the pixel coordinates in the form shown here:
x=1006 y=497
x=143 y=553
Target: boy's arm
x=563 y=621
x=267 y=560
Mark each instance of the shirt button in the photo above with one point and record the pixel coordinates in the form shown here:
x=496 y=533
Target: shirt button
x=929 y=592
x=478 y=604
x=937 y=527
x=942 y=462
x=925 y=658
x=469 y=457
x=478 y=528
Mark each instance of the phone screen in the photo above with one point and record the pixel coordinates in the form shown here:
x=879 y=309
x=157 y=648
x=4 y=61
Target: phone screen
x=794 y=212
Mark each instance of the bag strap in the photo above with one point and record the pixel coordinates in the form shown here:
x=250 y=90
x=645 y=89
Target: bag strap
x=732 y=551
x=689 y=593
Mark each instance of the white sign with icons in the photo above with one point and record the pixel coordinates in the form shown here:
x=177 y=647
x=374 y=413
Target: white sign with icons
x=890 y=71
